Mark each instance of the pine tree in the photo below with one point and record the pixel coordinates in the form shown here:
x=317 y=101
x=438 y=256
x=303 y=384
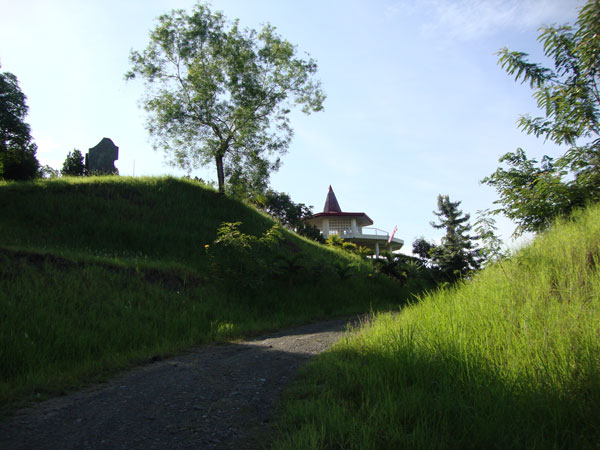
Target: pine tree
x=457 y=255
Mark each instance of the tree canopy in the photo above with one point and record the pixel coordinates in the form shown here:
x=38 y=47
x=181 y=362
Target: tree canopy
x=534 y=194
x=218 y=93
x=280 y=206
x=74 y=165
x=17 y=149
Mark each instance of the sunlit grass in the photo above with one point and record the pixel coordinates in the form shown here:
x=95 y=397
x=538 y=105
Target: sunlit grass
x=510 y=359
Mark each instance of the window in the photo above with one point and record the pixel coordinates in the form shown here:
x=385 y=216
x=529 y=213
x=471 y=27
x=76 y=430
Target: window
x=337 y=226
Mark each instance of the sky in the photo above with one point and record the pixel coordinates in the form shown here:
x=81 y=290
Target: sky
x=416 y=103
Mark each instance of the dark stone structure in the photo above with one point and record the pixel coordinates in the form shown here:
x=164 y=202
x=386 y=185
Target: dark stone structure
x=101 y=158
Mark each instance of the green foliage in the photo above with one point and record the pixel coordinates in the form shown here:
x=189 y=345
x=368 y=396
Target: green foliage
x=290 y=267
x=216 y=92
x=534 y=195
x=508 y=359
x=281 y=207
x=245 y=258
x=311 y=232
x=48 y=172
x=17 y=151
x=364 y=252
x=457 y=255
x=344 y=270
x=423 y=249
x=407 y=270
x=19 y=163
x=74 y=165
x=492 y=247
x=391 y=266
x=350 y=247
x=333 y=240
x=568 y=95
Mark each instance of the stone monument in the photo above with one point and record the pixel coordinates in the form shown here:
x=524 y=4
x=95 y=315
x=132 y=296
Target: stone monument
x=101 y=158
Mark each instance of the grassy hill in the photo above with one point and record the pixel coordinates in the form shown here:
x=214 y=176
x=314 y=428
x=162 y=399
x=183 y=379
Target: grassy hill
x=509 y=359
x=99 y=273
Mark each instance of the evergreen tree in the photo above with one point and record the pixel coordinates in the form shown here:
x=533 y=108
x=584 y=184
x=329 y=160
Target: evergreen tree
x=74 y=164
x=457 y=254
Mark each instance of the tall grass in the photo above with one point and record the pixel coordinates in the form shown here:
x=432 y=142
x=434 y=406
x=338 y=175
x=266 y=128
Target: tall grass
x=162 y=218
x=510 y=359
x=100 y=273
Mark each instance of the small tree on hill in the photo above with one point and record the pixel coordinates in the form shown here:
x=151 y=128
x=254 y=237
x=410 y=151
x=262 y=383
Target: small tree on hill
x=422 y=248
x=457 y=254
x=280 y=206
x=48 y=172
x=492 y=247
x=74 y=165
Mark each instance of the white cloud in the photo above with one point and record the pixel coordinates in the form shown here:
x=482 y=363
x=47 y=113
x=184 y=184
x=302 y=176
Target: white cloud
x=472 y=19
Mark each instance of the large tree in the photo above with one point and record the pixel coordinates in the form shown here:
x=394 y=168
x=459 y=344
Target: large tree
x=534 y=194
x=219 y=93
x=17 y=149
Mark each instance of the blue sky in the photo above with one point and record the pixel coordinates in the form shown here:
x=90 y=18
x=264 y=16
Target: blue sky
x=416 y=103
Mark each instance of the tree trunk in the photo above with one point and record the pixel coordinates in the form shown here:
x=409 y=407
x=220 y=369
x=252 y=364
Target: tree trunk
x=220 y=174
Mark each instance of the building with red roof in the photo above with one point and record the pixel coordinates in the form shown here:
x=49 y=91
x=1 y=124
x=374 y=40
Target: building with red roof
x=352 y=226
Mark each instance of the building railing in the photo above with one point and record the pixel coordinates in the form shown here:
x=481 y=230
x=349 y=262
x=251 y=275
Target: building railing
x=371 y=231
x=375 y=231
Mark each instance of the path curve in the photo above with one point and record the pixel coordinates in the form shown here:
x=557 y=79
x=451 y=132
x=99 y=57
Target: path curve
x=214 y=397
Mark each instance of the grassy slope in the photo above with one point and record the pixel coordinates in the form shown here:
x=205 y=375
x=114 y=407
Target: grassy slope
x=102 y=272
x=508 y=360
x=164 y=219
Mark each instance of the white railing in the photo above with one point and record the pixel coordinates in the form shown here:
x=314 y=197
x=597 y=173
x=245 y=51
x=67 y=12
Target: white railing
x=350 y=232
x=375 y=231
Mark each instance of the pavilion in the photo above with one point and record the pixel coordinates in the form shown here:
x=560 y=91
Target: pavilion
x=352 y=226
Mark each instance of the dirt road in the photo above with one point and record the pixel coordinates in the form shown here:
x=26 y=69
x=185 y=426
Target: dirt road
x=215 y=397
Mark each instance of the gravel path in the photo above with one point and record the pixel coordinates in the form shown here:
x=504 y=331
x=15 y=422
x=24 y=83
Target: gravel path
x=214 y=397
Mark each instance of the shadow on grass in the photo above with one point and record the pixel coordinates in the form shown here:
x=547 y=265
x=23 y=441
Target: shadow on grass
x=409 y=399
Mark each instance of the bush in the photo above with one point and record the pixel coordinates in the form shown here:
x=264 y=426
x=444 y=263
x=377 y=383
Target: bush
x=241 y=259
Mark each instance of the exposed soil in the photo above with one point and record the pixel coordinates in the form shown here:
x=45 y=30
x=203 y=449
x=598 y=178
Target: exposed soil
x=214 y=397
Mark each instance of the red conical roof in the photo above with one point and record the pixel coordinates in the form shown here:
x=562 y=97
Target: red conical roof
x=331 y=203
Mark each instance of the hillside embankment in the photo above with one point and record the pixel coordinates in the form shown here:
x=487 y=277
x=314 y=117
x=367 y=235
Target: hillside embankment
x=100 y=274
